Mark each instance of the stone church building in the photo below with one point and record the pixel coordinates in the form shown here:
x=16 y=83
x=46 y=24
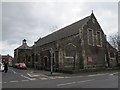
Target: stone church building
x=81 y=45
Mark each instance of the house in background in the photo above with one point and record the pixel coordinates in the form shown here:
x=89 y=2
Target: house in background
x=22 y=53
x=0 y=58
x=111 y=56
x=118 y=54
x=7 y=58
x=81 y=45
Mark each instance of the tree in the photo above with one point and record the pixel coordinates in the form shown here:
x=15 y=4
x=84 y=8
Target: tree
x=115 y=40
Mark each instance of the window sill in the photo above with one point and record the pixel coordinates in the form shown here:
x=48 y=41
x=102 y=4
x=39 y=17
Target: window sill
x=99 y=46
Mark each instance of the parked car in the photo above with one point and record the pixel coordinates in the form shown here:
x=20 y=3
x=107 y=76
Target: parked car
x=10 y=64
x=21 y=66
x=15 y=65
x=1 y=66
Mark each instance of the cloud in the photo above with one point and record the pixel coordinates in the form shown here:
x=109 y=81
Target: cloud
x=119 y=18
x=0 y=21
x=32 y=20
x=7 y=48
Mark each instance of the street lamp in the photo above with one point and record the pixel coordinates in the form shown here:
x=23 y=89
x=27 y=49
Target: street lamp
x=51 y=52
x=73 y=62
x=35 y=52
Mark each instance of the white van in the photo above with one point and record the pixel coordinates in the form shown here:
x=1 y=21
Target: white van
x=1 y=66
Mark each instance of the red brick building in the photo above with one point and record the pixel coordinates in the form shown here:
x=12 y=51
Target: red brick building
x=7 y=58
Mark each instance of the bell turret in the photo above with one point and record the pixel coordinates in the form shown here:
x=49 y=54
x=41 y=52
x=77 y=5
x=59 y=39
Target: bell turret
x=24 y=41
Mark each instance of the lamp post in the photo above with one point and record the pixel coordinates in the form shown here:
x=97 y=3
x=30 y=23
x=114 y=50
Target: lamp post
x=51 y=52
x=73 y=62
x=34 y=53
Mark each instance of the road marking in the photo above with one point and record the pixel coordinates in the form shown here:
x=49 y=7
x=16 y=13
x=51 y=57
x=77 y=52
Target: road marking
x=60 y=77
x=28 y=77
x=92 y=75
x=35 y=75
x=4 y=82
x=32 y=75
x=43 y=78
x=52 y=77
x=86 y=80
x=76 y=76
x=113 y=73
x=67 y=77
x=13 y=81
x=25 y=80
x=102 y=74
x=33 y=79
x=97 y=74
x=65 y=84
x=74 y=82
x=14 y=72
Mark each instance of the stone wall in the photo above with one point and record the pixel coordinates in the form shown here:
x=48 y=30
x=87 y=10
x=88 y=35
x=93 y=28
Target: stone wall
x=94 y=53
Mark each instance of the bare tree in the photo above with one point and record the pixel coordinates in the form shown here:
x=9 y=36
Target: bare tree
x=115 y=41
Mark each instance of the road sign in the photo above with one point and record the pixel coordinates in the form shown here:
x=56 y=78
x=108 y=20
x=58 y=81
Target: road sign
x=90 y=60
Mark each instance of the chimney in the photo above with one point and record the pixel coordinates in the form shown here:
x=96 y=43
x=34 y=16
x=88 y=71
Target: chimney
x=35 y=43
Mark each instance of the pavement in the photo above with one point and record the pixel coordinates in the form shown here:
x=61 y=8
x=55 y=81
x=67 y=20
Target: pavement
x=43 y=73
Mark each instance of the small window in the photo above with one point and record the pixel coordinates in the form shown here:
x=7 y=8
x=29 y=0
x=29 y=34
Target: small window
x=36 y=57
x=29 y=59
x=90 y=37
x=112 y=54
x=93 y=20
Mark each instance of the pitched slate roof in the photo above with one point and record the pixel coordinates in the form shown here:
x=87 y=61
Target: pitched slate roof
x=109 y=46
x=64 y=32
x=24 y=46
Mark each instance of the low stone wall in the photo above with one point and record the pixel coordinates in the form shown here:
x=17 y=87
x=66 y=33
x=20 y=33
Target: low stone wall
x=89 y=70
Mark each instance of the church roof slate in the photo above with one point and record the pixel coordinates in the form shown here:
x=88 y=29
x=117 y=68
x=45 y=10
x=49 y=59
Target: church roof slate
x=64 y=32
x=24 y=47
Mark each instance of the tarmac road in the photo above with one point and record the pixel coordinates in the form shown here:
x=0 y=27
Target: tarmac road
x=16 y=78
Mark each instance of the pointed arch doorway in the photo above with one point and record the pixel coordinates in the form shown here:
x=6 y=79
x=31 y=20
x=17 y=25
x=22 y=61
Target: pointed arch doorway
x=46 y=63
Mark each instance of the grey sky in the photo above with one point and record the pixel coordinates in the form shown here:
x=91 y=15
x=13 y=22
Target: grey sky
x=32 y=20
x=119 y=18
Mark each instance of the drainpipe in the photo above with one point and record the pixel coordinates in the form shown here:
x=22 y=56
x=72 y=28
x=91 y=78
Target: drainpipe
x=51 y=52
x=34 y=54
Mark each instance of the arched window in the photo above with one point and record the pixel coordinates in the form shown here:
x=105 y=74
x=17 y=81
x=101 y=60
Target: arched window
x=90 y=36
x=98 y=38
x=29 y=59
